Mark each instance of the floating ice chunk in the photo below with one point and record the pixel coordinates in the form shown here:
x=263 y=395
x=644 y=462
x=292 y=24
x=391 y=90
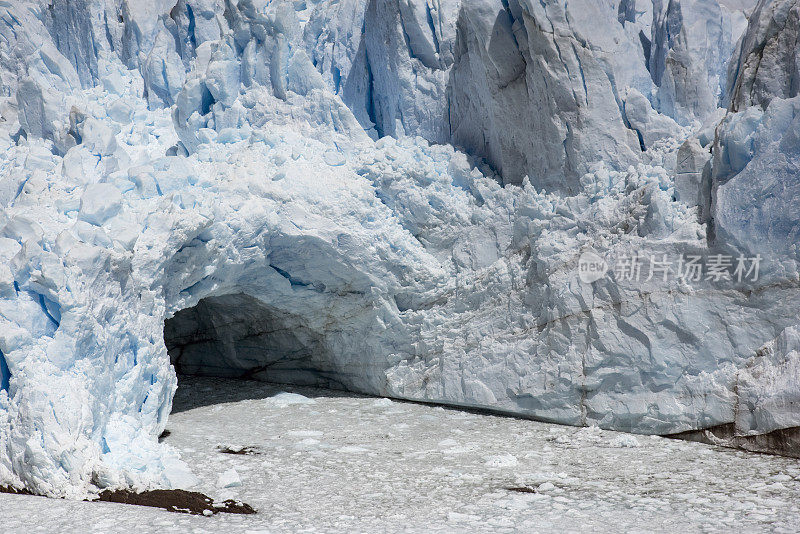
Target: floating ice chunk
x=229 y=479
x=456 y=517
x=501 y=460
x=625 y=441
x=178 y=474
x=306 y=433
x=352 y=449
x=563 y=439
x=284 y=399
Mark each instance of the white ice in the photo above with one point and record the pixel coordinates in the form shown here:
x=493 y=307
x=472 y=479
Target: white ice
x=261 y=176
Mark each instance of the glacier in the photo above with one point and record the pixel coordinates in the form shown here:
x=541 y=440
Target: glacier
x=391 y=198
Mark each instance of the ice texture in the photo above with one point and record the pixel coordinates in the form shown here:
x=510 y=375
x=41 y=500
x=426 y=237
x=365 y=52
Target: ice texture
x=278 y=182
x=768 y=393
x=692 y=43
x=755 y=173
x=516 y=84
x=533 y=88
x=767 y=62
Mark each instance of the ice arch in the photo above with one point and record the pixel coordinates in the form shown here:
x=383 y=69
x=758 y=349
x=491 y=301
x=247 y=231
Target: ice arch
x=295 y=308
x=89 y=393
x=279 y=327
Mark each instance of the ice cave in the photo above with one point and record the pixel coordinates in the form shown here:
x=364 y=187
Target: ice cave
x=395 y=199
x=237 y=336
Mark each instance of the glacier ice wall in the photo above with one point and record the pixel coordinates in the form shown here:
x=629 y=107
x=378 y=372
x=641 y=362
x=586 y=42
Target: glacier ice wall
x=260 y=175
x=691 y=45
x=756 y=151
x=542 y=89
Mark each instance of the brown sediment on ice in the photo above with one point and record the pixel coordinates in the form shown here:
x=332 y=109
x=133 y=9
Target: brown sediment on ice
x=14 y=491
x=176 y=500
x=782 y=442
x=231 y=449
x=522 y=489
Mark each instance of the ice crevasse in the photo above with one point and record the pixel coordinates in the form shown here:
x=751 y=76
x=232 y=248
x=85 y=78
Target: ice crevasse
x=390 y=198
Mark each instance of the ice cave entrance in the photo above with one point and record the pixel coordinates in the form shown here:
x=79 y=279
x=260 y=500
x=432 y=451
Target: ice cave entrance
x=238 y=336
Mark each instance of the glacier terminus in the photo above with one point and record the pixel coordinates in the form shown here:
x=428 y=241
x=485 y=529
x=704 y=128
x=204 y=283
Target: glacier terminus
x=395 y=198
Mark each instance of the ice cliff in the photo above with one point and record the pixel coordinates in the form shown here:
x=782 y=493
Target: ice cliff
x=392 y=198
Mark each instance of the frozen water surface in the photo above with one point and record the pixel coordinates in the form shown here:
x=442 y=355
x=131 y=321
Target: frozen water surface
x=326 y=461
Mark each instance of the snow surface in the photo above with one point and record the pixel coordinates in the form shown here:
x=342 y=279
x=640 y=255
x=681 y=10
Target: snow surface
x=353 y=464
x=216 y=164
